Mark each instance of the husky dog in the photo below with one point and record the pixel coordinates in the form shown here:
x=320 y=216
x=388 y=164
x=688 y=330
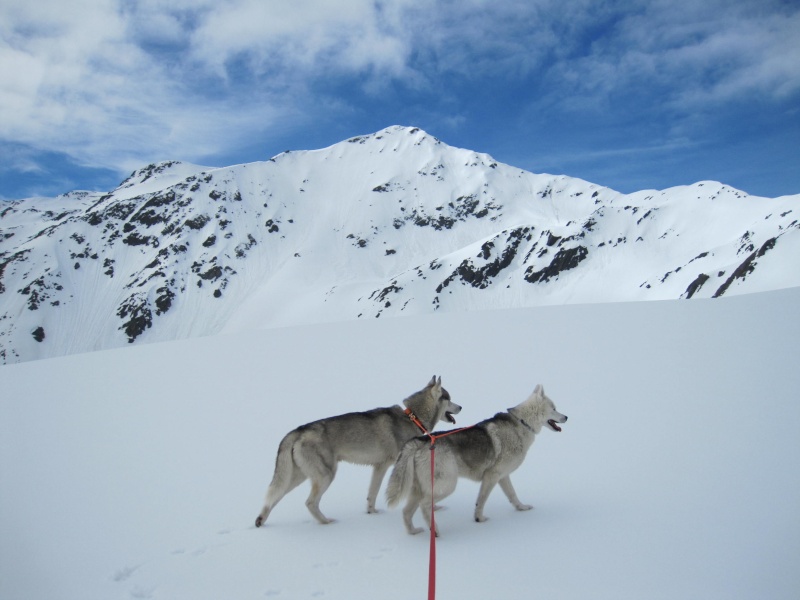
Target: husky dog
x=374 y=437
x=487 y=452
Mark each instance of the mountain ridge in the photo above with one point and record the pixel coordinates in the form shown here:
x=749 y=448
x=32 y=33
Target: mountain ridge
x=391 y=223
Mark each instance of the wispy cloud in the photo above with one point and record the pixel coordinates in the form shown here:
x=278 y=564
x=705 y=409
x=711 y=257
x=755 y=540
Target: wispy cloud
x=107 y=82
x=305 y=37
x=113 y=83
x=694 y=54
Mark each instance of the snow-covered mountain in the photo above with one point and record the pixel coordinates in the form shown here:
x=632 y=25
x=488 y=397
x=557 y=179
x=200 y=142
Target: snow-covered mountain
x=387 y=224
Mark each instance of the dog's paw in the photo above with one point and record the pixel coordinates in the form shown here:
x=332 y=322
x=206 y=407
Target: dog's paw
x=371 y=510
x=524 y=507
x=481 y=519
x=415 y=530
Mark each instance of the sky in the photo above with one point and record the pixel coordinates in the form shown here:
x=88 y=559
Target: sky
x=628 y=94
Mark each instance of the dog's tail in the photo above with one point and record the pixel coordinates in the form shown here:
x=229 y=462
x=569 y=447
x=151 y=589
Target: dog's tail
x=284 y=468
x=402 y=477
x=284 y=479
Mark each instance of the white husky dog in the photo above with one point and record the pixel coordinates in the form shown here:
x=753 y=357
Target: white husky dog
x=487 y=452
x=373 y=437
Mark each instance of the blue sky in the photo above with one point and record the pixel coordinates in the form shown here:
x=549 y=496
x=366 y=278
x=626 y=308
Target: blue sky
x=629 y=94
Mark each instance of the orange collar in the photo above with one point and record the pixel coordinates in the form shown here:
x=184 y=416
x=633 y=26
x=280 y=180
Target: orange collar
x=415 y=420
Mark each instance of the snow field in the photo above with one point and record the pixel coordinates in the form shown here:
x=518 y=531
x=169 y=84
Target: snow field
x=138 y=473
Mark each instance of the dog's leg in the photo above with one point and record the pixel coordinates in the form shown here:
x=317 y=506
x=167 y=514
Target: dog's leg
x=425 y=502
x=487 y=485
x=275 y=495
x=287 y=477
x=378 y=473
x=262 y=516
x=318 y=487
x=511 y=494
x=320 y=467
x=408 y=513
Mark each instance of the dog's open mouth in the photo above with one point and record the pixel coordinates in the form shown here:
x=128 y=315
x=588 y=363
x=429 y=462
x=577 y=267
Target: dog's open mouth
x=449 y=416
x=553 y=425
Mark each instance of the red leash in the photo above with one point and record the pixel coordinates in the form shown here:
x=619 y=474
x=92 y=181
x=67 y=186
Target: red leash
x=432 y=559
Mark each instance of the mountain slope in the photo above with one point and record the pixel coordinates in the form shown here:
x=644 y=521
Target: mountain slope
x=392 y=223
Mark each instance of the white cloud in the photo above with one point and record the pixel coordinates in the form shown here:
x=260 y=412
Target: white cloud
x=110 y=82
x=281 y=36
x=77 y=80
x=697 y=55
x=116 y=82
x=758 y=56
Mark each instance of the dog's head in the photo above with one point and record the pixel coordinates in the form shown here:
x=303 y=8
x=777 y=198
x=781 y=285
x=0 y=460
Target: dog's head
x=539 y=410
x=433 y=404
x=449 y=407
x=555 y=418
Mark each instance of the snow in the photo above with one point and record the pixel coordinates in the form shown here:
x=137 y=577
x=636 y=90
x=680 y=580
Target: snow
x=138 y=472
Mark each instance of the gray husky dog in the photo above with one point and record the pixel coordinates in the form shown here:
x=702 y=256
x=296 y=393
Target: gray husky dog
x=487 y=452
x=374 y=437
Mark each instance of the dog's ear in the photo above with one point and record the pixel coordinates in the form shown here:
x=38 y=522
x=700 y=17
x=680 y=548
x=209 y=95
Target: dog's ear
x=436 y=387
x=539 y=391
x=436 y=390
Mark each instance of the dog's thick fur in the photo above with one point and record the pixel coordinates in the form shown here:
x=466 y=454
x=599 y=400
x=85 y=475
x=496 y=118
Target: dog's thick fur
x=374 y=437
x=487 y=452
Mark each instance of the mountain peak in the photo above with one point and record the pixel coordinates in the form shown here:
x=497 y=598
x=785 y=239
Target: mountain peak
x=163 y=173
x=393 y=131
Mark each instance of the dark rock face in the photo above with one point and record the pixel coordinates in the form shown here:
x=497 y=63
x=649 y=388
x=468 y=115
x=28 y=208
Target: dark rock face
x=747 y=267
x=564 y=260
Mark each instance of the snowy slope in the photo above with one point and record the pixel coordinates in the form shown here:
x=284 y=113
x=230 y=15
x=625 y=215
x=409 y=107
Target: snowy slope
x=137 y=473
x=394 y=223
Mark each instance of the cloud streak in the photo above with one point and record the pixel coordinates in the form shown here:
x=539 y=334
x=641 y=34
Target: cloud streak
x=115 y=83
x=705 y=53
